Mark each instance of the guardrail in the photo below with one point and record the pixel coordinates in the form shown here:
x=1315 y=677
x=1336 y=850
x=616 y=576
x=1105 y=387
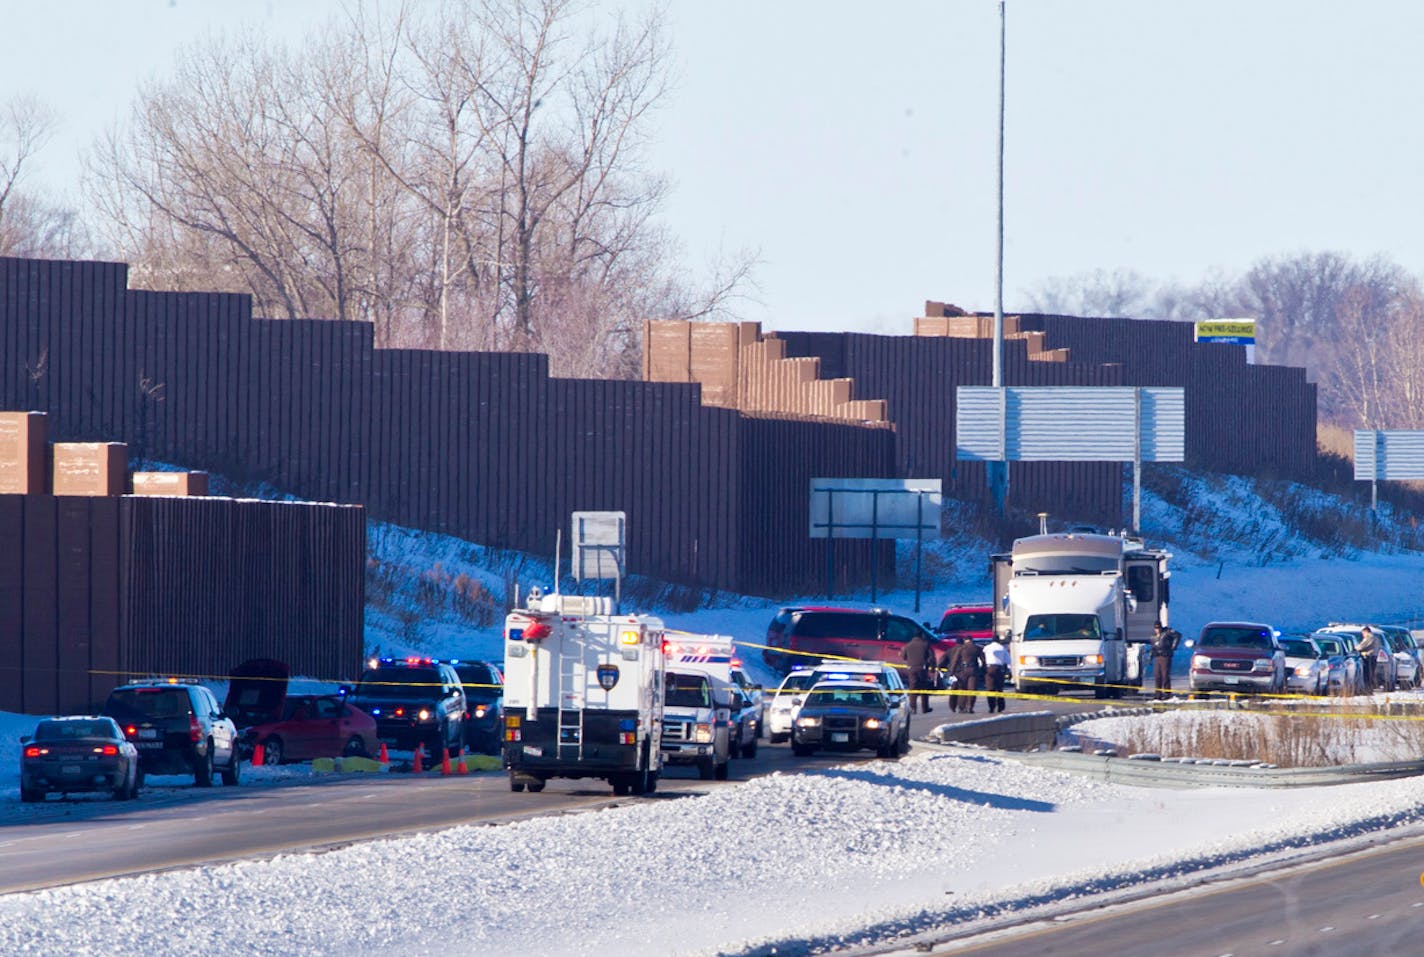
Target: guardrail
x=1029 y=738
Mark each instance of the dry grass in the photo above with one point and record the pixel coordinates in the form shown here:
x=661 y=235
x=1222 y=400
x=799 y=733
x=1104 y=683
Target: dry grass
x=1314 y=740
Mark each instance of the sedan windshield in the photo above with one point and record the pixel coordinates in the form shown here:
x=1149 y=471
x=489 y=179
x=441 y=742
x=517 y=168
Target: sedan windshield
x=846 y=697
x=1331 y=646
x=1299 y=648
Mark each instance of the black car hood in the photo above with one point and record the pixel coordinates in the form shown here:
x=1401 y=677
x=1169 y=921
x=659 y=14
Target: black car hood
x=257 y=691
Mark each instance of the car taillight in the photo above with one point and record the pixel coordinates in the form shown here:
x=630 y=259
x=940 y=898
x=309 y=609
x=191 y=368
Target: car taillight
x=131 y=732
x=195 y=730
x=106 y=749
x=32 y=752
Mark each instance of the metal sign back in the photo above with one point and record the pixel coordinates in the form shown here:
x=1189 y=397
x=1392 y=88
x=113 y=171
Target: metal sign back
x=599 y=545
x=1388 y=455
x=1070 y=424
x=875 y=508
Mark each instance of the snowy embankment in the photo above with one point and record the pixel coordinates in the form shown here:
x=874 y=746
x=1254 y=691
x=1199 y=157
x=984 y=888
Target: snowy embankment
x=787 y=861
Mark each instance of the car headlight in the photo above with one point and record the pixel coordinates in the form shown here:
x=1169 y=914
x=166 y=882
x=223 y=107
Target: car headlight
x=873 y=723
x=481 y=710
x=1201 y=661
x=1028 y=661
x=423 y=714
x=1092 y=659
x=1305 y=671
x=702 y=733
x=1263 y=664
x=811 y=722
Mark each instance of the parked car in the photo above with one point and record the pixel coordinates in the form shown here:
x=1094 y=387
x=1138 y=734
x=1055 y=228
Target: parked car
x=178 y=728
x=483 y=685
x=1237 y=656
x=256 y=690
x=1346 y=673
x=744 y=724
x=1407 y=661
x=885 y=677
x=786 y=700
x=974 y=622
x=809 y=635
x=849 y=716
x=415 y=701
x=75 y=754
x=1386 y=667
x=1307 y=667
x=313 y=726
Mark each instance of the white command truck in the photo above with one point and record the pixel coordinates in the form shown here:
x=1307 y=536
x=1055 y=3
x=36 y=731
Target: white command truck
x=1079 y=610
x=715 y=657
x=583 y=694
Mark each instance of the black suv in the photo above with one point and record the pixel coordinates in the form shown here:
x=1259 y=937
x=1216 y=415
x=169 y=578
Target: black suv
x=484 y=705
x=414 y=701
x=178 y=728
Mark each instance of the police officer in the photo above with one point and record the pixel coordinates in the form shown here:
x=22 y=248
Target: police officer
x=1164 y=643
x=919 y=657
x=996 y=661
x=967 y=663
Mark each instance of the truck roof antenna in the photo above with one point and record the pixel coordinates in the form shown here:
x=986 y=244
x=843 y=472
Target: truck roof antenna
x=558 y=550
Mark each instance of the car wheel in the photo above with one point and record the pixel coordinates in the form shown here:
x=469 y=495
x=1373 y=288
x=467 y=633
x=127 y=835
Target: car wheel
x=233 y=772
x=203 y=769
x=721 y=771
x=515 y=784
x=355 y=748
x=621 y=785
x=706 y=768
x=122 y=790
x=138 y=780
x=273 y=751
x=801 y=750
x=749 y=749
x=536 y=785
x=904 y=745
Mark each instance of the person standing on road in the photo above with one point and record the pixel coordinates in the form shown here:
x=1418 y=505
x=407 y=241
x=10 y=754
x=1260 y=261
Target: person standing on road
x=919 y=656
x=967 y=663
x=996 y=666
x=1369 y=651
x=1164 y=644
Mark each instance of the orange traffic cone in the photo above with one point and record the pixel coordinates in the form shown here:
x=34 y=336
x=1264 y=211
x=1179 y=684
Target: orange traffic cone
x=384 y=758
x=460 y=765
x=444 y=760
x=257 y=755
x=415 y=765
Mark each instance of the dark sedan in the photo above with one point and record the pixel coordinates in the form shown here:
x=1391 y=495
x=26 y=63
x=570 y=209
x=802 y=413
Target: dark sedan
x=82 y=753
x=849 y=716
x=313 y=726
x=484 y=705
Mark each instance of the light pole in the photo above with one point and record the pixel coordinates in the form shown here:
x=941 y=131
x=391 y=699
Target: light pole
x=998 y=472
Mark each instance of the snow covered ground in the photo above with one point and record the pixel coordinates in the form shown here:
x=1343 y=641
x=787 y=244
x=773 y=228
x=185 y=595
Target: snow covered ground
x=783 y=864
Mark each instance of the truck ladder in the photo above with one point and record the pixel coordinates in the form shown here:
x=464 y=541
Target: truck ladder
x=571 y=672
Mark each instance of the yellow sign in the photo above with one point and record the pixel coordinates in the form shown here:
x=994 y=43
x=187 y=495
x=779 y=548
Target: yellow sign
x=1241 y=332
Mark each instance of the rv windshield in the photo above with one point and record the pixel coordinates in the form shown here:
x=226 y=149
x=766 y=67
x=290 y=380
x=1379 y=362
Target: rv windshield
x=1065 y=564
x=688 y=691
x=1041 y=627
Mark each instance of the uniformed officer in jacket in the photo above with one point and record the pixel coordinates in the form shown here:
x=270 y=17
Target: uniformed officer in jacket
x=967 y=664
x=1164 y=643
x=919 y=656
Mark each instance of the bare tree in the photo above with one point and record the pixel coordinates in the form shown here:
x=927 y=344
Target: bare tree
x=464 y=175
x=31 y=224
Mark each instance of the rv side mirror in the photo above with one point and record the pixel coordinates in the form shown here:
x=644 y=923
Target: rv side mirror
x=26 y=739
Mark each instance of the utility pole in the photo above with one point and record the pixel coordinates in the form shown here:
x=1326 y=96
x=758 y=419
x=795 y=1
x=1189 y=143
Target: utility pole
x=998 y=472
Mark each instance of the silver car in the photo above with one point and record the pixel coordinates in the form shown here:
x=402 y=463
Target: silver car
x=1406 y=655
x=1344 y=674
x=1307 y=666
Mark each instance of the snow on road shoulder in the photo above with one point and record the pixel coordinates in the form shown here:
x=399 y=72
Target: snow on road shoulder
x=779 y=860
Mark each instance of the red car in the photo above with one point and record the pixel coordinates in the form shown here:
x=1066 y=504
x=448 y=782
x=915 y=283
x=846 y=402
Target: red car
x=807 y=636
x=975 y=622
x=314 y=726
x=294 y=727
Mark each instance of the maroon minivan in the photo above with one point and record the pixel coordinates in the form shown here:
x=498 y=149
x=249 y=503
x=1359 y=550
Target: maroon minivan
x=809 y=635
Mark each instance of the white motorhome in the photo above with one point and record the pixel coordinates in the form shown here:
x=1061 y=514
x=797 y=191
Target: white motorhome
x=583 y=694
x=1079 y=609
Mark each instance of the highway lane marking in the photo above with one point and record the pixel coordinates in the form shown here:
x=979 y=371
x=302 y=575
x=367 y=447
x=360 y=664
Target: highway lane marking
x=1373 y=917
x=1326 y=930
x=1276 y=943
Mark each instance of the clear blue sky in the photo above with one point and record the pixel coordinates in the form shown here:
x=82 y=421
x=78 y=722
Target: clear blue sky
x=853 y=144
